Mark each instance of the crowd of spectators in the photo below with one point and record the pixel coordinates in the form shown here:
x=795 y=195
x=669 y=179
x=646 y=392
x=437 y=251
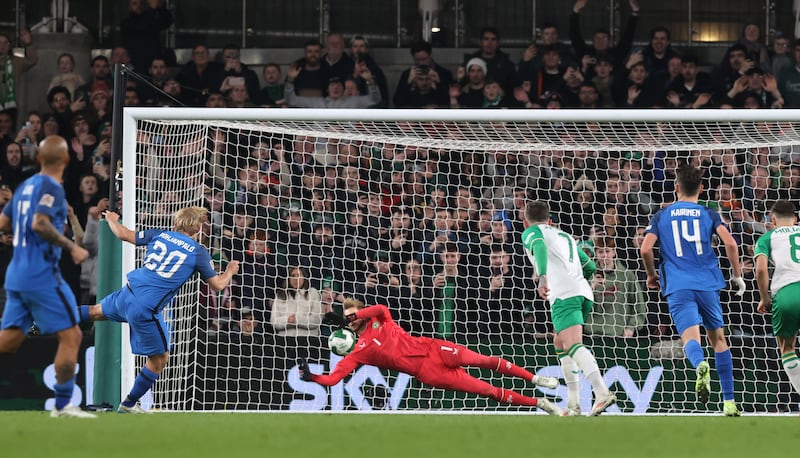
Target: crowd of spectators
x=432 y=233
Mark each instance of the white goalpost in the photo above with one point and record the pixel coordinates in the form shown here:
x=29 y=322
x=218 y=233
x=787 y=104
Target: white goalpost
x=361 y=203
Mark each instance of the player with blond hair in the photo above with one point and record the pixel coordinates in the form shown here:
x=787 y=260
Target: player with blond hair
x=435 y=362
x=171 y=259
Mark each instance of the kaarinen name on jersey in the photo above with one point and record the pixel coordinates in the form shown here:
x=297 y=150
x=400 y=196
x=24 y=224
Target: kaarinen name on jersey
x=684 y=212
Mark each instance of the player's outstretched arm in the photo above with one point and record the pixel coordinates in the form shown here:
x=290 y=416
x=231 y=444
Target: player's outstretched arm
x=343 y=368
x=221 y=281
x=334 y=319
x=119 y=230
x=732 y=252
x=379 y=311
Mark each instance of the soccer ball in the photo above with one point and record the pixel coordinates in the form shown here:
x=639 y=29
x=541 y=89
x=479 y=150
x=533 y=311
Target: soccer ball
x=342 y=341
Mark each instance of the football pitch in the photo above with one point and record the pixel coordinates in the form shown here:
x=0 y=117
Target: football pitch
x=196 y=435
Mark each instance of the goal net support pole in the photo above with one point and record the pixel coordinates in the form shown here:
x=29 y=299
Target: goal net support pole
x=109 y=336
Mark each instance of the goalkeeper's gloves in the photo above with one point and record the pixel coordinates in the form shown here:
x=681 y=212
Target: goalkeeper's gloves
x=305 y=372
x=334 y=319
x=741 y=285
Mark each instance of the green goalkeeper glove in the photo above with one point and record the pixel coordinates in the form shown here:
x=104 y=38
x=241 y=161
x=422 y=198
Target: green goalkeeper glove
x=334 y=319
x=305 y=372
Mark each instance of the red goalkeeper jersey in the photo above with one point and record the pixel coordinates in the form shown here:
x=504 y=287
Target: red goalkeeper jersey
x=384 y=344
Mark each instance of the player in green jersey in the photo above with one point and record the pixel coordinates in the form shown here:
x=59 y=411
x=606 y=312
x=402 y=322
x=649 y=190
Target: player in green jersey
x=563 y=270
x=781 y=246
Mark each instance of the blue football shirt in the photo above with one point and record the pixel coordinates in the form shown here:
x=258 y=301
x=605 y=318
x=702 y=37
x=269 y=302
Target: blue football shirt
x=34 y=264
x=170 y=260
x=688 y=260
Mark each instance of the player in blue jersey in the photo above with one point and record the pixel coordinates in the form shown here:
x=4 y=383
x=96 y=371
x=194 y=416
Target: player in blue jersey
x=35 y=290
x=690 y=278
x=171 y=259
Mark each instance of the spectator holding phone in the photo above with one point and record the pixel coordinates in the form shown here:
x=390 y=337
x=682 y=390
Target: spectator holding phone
x=601 y=40
x=359 y=50
x=236 y=73
x=432 y=87
x=29 y=136
x=422 y=90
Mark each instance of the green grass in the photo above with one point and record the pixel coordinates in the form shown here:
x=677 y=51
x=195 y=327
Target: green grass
x=196 y=435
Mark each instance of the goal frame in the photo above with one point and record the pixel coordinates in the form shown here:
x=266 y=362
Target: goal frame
x=131 y=115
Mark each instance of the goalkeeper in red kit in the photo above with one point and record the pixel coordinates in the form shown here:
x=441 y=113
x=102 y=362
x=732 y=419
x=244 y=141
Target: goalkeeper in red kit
x=435 y=362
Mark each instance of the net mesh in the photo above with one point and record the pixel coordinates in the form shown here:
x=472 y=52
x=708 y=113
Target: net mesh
x=364 y=209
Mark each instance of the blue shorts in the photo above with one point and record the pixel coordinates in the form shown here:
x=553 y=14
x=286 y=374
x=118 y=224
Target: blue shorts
x=691 y=308
x=149 y=331
x=54 y=309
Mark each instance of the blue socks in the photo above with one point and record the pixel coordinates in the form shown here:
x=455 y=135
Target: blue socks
x=694 y=352
x=723 y=363
x=84 y=311
x=64 y=393
x=144 y=381
x=724 y=366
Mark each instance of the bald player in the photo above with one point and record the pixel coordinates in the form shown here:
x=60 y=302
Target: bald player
x=35 y=289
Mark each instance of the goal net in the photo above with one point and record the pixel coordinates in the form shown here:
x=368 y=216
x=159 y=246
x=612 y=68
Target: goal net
x=318 y=205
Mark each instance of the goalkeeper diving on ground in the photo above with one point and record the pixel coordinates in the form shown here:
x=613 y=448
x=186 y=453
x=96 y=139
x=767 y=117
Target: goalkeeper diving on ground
x=438 y=363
